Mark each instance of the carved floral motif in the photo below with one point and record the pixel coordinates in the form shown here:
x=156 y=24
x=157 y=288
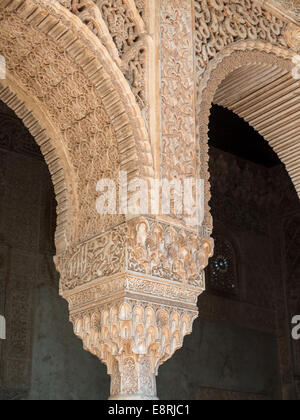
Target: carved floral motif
x=121 y=24
x=120 y=21
x=149 y=247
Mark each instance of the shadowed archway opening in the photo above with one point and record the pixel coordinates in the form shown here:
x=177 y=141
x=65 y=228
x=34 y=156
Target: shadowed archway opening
x=41 y=359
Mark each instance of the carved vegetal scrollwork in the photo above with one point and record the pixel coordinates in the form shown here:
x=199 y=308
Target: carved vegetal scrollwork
x=120 y=22
x=168 y=252
x=134 y=70
x=220 y=23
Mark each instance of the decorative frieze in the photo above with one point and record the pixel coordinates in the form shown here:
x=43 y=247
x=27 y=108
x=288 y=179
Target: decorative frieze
x=118 y=285
x=98 y=258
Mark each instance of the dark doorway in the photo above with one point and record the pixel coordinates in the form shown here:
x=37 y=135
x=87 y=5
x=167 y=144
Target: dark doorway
x=241 y=345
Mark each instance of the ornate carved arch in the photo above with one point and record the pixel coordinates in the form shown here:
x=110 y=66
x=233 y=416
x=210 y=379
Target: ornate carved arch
x=238 y=79
x=65 y=76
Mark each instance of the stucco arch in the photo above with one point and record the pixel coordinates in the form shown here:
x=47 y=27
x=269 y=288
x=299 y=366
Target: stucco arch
x=260 y=73
x=63 y=84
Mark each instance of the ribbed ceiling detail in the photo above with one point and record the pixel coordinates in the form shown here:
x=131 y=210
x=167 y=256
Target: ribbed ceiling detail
x=268 y=98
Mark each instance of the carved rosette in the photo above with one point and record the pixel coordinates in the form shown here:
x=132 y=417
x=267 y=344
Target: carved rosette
x=292 y=37
x=132 y=295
